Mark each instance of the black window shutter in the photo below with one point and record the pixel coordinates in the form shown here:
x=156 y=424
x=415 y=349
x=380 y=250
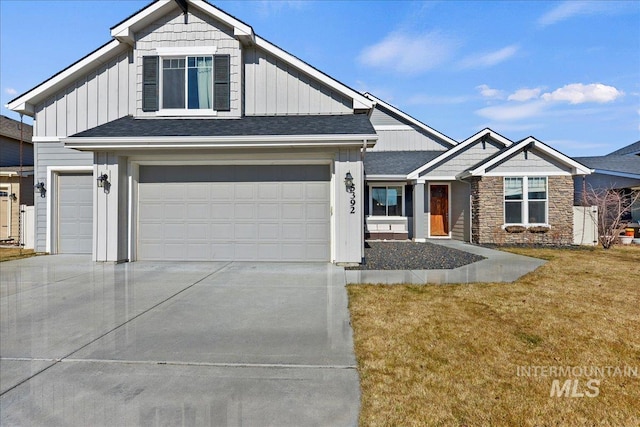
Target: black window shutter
x=150 y=74
x=222 y=83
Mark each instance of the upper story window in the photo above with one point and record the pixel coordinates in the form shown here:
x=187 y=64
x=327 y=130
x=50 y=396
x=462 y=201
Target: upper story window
x=525 y=200
x=181 y=83
x=386 y=200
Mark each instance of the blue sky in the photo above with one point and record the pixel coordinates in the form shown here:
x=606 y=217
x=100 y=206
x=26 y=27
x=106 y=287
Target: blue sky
x=567 y=73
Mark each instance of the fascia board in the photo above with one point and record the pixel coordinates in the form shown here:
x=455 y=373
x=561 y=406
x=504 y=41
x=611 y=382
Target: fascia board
x=385 y=177
x=271 y=141
x=411 y=119
x=616 y=173
x=25 y=103
x=359 y=100
x=126 y=28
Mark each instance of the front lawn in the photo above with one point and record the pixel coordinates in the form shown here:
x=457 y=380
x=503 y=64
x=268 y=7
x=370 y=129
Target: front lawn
x=490 y=354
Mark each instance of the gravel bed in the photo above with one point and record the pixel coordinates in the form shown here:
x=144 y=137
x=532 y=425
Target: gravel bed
x=412 y=256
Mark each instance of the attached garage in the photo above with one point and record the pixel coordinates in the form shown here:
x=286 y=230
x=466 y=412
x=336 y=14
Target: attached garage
x=234 y=213
x=75 y=213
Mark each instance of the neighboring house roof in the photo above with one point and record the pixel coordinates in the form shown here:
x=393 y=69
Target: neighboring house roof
x=395 y=162
x=440 y=136
x=630 y=149
x=10 y=128
x=618 y=165
x=123 y=36
x=482 y=167
x=485 y=133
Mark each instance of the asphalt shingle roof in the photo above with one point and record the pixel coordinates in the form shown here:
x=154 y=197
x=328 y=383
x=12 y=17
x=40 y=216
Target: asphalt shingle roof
x=396 y=162
x=346 y=124
x=614 y=163
x=629 y=149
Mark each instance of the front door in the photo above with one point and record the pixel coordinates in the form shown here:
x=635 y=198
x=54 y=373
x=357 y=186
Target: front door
x=439 y=210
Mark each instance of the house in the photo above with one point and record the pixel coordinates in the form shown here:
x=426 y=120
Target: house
x=190 y=137
x=618 y=170
x=16 y=176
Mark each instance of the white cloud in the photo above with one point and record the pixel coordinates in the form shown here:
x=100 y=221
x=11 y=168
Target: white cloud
x=563 y=11
x=510 y=112
x=489 y=59
x=578 y=93
x=524 y=94
x=488 y=92
x=409 y=54
x=11 y=91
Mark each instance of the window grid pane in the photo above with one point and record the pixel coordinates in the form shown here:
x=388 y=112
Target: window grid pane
x=200 y=82
x=386 y=201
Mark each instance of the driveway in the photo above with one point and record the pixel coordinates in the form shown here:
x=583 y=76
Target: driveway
x=221 y=344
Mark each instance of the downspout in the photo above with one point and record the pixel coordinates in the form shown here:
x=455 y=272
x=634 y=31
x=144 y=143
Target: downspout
x=20 y=189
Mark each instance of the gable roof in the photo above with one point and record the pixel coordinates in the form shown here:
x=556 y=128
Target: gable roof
x=485 y=133
x=617 y=165
x=395 y=162
x=482 y=167
x=631 y=149
x=123 y=33
x=438 y=135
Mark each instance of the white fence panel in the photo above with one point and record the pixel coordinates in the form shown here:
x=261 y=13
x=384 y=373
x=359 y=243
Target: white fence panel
x=585 y=225
x=27 y=223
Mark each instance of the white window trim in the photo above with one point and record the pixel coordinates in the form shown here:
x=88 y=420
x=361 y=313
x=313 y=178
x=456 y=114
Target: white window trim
x=525 y=202
x=180 y=53
x=7 y=188
x=386 y=184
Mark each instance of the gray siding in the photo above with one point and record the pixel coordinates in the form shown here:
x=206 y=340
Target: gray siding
x=51 y=154
x=405 y=140
x=600 y=181
x=460 y=214
x=274 y=87
x=534 y=161
x=200 y=30
x=463 y=160
x=412 y=138
x=10 y=152
x=99 y=97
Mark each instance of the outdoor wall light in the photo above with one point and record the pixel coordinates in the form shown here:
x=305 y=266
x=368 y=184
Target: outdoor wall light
x=40 y=187
x=103 y=180
x=13 y=196
x=348 y=181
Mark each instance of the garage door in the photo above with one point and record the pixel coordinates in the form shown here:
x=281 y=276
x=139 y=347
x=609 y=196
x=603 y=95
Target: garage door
x=75 y=213
x=234 y=213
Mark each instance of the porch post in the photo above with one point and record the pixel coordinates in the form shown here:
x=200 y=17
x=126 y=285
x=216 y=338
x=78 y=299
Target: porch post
x=418 y=211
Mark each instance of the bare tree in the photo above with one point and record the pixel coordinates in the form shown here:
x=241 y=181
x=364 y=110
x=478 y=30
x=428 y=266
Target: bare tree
x=614 y=205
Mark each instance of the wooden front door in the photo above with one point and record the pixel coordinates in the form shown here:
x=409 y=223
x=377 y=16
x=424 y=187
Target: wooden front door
x=439 y=210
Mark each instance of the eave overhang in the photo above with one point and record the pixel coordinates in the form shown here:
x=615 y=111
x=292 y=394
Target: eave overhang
x=218 y=142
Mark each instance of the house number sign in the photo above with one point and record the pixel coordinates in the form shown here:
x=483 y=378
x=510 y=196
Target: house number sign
x=352 y=199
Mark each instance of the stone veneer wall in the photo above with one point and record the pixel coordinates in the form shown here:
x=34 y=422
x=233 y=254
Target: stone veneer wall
x=488 y=213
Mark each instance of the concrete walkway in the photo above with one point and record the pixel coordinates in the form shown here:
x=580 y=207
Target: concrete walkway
x=224 y=344
x=498 y=266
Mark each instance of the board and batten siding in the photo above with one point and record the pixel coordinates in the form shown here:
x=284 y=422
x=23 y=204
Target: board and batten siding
x=200 y=30
x=529 y=162
x=463 y=160
x=273 y=87
x=55 y=155
x=101 y=96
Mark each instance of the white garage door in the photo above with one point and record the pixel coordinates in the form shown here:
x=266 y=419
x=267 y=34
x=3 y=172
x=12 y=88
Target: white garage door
x=234 y=213
x=75 y=213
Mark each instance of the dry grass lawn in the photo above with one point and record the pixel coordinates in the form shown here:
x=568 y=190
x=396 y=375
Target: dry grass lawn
x=8 y=254
x=449 y=355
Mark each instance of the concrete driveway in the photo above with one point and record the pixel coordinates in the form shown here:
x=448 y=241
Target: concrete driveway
x=222 y=344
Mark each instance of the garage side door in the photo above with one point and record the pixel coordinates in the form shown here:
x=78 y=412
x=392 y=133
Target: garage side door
x=75 y=213
x=234 y=213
